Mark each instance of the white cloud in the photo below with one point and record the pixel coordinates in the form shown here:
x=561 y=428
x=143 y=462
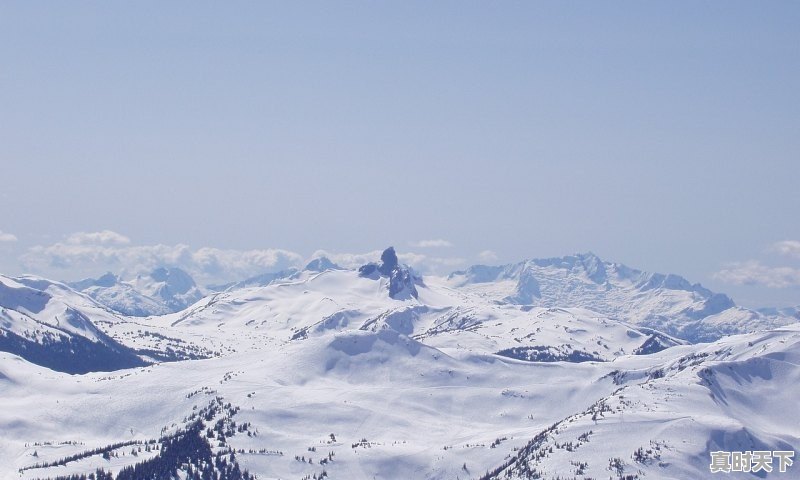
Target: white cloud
x=91 y=254
x=422 y=263
x=755 y=273
x=487 y=256
x=430 y=265
x=414 y=259
x=449 y=261
x=242 y=263
x=7 y=237
x=435 y=243
x=789 y=248
x=105 y=237
x=94 y=253
x=349 y=260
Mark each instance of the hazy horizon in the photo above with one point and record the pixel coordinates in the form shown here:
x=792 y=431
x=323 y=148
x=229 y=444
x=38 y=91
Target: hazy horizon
x=661 y=136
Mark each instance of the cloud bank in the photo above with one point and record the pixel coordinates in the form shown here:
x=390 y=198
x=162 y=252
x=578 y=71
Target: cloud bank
x=90 y=254
x=436 y=243
x=7 y=237
x=753 y=272
x=105 y=237
x=487 y=256
x=426 y=264
x=790 y=248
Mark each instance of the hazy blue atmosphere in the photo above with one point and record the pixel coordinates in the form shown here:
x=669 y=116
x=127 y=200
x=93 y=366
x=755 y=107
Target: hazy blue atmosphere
x=245 y=137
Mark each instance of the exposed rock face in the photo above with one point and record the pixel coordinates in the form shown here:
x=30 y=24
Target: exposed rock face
x=388 y=262
x=401 y=278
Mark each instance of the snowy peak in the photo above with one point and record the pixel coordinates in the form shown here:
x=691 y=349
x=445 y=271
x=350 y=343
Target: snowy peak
x=588 y=264
x=594 y=267
x=106 y=281
x=402 y=279
x=174 y=278
x=172 y=285
x=164 y=290
x=321 y=264
x=666 y=302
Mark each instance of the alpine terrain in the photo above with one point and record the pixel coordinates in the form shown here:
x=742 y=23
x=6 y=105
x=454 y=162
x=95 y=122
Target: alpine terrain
x=569 y=367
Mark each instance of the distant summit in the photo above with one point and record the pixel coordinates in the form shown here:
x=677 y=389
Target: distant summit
x=174 y=287
x=164 y=290
x=320 y=264
x=666 y=302
x=107 y=280
x=402 y=279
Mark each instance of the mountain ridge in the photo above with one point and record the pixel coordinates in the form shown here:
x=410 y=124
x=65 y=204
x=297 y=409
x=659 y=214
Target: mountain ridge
x=666 y=302
x=49 y=324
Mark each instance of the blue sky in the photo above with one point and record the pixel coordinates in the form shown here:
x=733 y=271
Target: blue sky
x=661 y=135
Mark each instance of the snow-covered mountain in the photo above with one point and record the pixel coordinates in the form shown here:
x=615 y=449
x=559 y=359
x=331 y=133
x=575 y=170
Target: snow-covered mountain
x=51 y=325
x=377 y=373
x=261 y=280
x=669 y=303
x=319 y=264
x=164 y=290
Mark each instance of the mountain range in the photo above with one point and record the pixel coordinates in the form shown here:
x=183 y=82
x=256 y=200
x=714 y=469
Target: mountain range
x=666 y=302
x=547 y=368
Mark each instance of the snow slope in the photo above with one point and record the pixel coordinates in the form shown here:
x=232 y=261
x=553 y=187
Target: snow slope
x=49 y=324
x=737 y=394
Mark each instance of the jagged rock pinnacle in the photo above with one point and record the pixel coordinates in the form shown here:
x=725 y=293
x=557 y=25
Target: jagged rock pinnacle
x=401 y=280
x=389 y=261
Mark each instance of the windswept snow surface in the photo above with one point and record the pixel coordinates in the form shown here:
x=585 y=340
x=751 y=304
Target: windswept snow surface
x=326 y=372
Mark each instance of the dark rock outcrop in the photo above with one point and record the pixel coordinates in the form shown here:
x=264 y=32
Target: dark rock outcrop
x=402 y=279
